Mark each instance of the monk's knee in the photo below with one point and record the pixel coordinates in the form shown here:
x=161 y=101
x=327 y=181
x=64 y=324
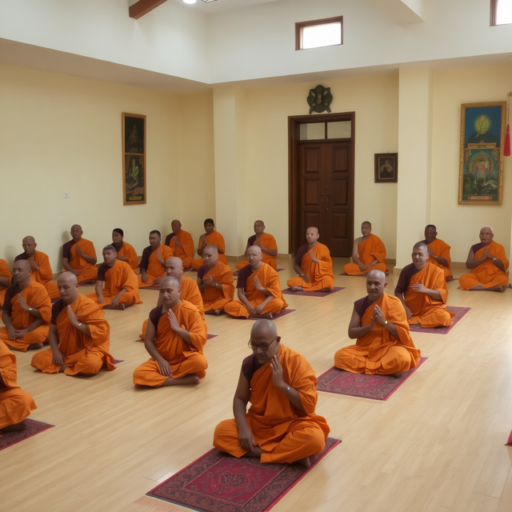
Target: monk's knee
x=316 y=441
x=224 y=434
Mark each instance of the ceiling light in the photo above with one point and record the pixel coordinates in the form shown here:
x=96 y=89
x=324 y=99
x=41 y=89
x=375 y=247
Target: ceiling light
x=190 y=1
x=208 y=1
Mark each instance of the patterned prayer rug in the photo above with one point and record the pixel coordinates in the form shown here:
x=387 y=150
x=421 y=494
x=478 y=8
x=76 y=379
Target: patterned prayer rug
x=275 y=316
x=33 y=427
x=217 y=482
x=208 y=337
x=287 y=291
x=459 y=313
x=374 y=387
x=235 y=274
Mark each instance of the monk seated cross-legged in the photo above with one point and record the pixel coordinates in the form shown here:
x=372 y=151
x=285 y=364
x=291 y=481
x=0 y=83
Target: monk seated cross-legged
x=314 y=265
x=121 y=283
x=79 y=256
x=379 y=323
x=258 y=287
x=181 y=243
x=175 y=339
x=439 y=251
x=26 y=312
x=40 y=265
x=422 y=290
x=210 y=237
x=189 y=289
x=368 y=253
x=152 y=264
x=79 y=335
x=215 y=280
x=265 y=242
x=125 y=251
x=15 y=404
x=281 y=425
x=488 y=263
x=5 y=280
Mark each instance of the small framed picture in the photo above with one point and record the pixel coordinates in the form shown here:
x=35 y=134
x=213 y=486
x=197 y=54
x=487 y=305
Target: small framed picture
x=134 y=159
x=386 y=167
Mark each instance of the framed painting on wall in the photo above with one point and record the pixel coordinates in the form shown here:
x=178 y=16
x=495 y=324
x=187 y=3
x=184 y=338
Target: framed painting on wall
x=134 y=159
x=386 y=168
x=482 y=138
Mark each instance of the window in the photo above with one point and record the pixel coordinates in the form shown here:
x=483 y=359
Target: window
x=318 y=33
x=501 y=12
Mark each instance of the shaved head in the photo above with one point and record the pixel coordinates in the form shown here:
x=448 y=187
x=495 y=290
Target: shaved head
x=376 y=274
x=76 y=226
x=174 y=268
x=376 y=284
x=169 y=280
x=254 y=249
x=29 y=245
x=264 y=340
x=419 y=245
x=265 y=328
x=29 y=239
x=213 y=248
x=68 y=287
x=21 y=272
x=254 y=256
x=487 y=228
x=67 y=277
x=486 y=235
x=23 y=264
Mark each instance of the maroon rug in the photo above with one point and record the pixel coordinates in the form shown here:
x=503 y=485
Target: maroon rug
x=459 y=313
x=33 y=427
x=208 y=337
x=217 y=482
x=313 y=294
x=283 y=312
x=235 y=274
x=87 y=283
x=344 y=274
x=509 y=442
x=375 y=387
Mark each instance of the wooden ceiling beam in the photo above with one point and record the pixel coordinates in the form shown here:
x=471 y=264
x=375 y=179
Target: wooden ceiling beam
x=142 y=7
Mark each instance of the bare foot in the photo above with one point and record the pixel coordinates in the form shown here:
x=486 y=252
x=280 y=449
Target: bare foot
x=217 y=312
x=190 y=380
x=14 y=428
x=256 y=453
x=62 y=369
x=268 y=316
x=35 y=346
x=306 y=462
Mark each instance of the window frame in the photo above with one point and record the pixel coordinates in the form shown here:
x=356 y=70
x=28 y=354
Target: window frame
x=312 y=23
x=494 y=11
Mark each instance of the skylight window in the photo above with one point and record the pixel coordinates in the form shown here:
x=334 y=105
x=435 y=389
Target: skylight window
x=319 y=33
x=501 y=12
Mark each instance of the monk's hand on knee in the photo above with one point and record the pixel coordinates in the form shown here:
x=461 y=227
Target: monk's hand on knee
x=164 y=368
x=58 y=358
x=305 y=277
x=246 y=439
x=19 y=333
x=11 y=331
x=259 y=309
x=101 y=299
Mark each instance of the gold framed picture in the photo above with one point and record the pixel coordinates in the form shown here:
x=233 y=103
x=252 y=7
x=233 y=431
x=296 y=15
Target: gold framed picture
x=134 y=159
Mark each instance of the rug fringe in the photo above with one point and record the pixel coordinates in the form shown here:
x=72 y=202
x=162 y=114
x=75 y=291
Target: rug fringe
x=159 y=505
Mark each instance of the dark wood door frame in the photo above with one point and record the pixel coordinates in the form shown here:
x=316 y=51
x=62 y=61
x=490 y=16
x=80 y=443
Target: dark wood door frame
x=296 y=239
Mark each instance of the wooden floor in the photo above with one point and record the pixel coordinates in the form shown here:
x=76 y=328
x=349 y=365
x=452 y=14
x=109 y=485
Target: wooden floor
x=437 y=445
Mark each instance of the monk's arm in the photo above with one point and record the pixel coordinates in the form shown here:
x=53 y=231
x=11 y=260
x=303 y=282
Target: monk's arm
x=471 y=262
x=4 y=282
x=439 y=260
x=271 y=252
x=149 y=344
x=6 y=319
x=391 y=328
x=201 y=245
x=123 y=258
x=401 y=297
x=499 y=264
x=243 y=299
x=354 y=328
x=434 y=294
x=263 y=290
x=53 y=338
x=99 y=290
x=90 y=259
x=67 y=266
x=240 y=401
x=355 y=252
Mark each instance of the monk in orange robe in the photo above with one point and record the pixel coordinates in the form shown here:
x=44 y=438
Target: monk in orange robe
x=258 y=287
x=26 y=312
x=281 y=425
x=314 y=265
x=368 y=253
x=79 y=256
x=379 y=323
x=79 y=334
x=265 y=242
x=5 y=280
x=181 y=243
x=210 y=237
x=15 y=404
x=215 y=280
x=439 y=251
x=175 y=339
x=121 y=283
x=422 y=290
x=189 y=289
x=488 y=264
x=125 y=251
x=152 y=264
x=40 y=265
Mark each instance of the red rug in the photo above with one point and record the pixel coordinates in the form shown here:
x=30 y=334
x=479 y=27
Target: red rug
x=217 y=482
x=509 y=442
x=208 y=337
x=459 y=313
x=374 y=387
x=87 y=283
x=235 y=274
x=33 y=427
x=287 y=291
x=275 y=316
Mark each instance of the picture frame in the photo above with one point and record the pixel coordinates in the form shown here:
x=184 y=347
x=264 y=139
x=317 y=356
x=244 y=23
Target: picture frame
x=134 y=159
x=482 y=141
x=386 y=167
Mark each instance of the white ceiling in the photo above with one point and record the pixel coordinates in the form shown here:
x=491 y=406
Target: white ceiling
x=223 y=5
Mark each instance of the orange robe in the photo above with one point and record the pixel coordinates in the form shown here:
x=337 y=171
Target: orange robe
x=4 y=272
x=84 y=355
x=214 y=238
x=378 y=352
x=87 y=270
x=184 y=359
x=37 y=297
x=269 y=279
x=186 y=252
x=44 y=274
x=442 y=249
x=15 y=404
x=214 y=299
x=320 y=274
x=155 y=270
x=425 y=310
x=267 y=242
x=373 y=245
x=284 y=433
x=487 y=273
x=127 y=251
x=189 y=292
x=117 y=277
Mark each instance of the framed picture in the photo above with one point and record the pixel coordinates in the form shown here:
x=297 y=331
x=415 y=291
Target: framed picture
x=482 y=138
x=386 y=167
x=134 y=159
